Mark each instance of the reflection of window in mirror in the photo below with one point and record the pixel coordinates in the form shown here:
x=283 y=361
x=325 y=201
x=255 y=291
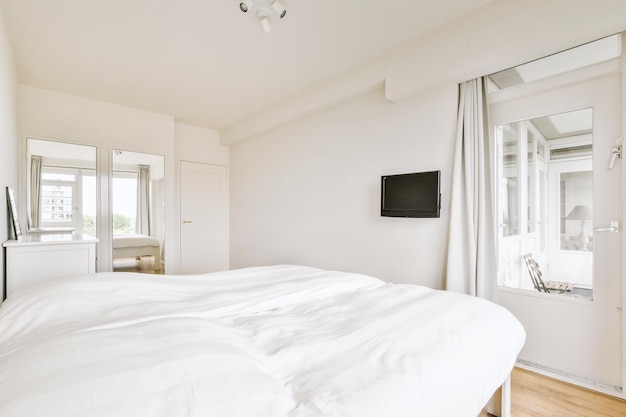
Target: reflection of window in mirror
x=124 y=201
x=61 y=187
x=137 y=212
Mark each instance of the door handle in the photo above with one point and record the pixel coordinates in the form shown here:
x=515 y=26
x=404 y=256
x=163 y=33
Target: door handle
x=616 y=152
x=613 y=227
x=187 y=221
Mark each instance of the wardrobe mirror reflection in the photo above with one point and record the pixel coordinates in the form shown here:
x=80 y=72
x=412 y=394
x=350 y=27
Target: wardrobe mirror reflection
x=60 y=188
x=137 y=204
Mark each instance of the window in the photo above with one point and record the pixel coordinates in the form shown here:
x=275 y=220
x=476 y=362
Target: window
x=65 y=194
x=58 y=197
x=509 y=136
x=124 y=201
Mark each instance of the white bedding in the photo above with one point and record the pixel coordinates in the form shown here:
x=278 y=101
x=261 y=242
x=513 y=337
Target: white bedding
x=270 y=341
x=131 y=240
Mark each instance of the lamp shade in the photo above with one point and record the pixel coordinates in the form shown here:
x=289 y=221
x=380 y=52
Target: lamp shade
x=580 y=213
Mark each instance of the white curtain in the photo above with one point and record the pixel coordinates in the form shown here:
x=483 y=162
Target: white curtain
x=142 y=220
x=472 y=258
x=34 y=217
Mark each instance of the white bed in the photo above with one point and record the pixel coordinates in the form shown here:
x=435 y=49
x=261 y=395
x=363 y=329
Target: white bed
x=135 y=245
x=269 y=341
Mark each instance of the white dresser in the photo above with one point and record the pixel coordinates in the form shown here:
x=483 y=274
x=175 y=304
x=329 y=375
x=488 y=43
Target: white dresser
x=37 y=257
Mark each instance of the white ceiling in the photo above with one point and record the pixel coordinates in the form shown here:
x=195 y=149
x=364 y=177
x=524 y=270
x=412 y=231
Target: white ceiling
x=205 y=62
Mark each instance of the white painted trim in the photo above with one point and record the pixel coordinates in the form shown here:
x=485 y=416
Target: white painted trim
x=620 y=165
x=556 y=82
x=570 y=379
x=552 y=297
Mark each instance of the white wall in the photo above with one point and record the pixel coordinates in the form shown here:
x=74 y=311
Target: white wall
x=197 y=144
x=304 y=186
x=309 y=191
x=8 y=131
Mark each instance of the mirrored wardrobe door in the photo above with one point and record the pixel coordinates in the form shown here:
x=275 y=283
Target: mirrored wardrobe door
x=137 y=204
x=61 y=193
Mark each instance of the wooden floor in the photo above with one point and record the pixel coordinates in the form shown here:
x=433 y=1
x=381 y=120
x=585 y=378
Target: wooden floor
x=534 y=395
x=145 y=265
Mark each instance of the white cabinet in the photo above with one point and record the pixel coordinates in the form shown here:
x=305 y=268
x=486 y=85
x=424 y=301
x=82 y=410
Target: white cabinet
x=35 y=258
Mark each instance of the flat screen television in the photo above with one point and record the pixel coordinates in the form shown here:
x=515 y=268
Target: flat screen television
x=411 y=195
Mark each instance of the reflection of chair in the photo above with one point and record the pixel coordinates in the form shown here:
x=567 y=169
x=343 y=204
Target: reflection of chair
x=535 y=273
x=537 y=279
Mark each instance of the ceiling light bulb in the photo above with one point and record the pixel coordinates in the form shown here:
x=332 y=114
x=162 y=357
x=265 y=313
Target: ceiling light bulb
x=265 y=24
x=279 y=9
x=245 y=5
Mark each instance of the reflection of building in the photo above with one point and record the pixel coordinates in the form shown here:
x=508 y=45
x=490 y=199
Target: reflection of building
x=56 y=203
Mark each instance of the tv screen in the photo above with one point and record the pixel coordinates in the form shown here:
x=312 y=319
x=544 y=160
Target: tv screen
x=411 y=195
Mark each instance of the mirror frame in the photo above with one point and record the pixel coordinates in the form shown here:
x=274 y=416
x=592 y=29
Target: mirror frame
x=15 y=229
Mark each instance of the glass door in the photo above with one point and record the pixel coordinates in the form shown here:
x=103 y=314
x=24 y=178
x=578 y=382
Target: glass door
x=557 y=274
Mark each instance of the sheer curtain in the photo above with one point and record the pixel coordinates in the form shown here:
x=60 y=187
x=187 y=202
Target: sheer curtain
x=35 y=191
x=142 y=220
x=472 y=257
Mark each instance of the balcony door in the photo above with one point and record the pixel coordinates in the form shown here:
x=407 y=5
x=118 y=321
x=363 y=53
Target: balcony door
x=557 y=198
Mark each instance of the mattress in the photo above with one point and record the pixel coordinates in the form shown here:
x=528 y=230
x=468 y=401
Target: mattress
x=274 y=341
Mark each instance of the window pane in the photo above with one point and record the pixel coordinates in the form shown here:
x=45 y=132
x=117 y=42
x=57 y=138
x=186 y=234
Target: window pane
x=575 y=151
x=543 y=211
x=510 y=181
x=89 y=203
x=124 y=203
x=55 y=176
x=530 y=189
x=56 y=204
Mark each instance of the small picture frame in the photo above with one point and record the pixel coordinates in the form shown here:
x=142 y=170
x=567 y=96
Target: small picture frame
x=15 y=232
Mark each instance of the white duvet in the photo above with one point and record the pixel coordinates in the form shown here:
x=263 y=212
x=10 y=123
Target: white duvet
x=124 y=240
x=268 y=341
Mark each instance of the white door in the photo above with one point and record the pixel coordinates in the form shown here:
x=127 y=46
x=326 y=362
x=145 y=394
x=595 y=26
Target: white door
x=204 y=218
x=564 y=192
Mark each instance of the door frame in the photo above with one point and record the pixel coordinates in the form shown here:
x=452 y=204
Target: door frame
x=623 y=211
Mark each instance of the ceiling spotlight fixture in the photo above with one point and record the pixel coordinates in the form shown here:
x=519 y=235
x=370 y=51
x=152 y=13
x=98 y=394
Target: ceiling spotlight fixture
x=245 y=5
x=265 y=23
x=279 y=9
x=263 y=9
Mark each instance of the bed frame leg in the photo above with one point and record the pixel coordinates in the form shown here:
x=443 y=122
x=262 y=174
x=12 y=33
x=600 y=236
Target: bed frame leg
x=500 y=404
